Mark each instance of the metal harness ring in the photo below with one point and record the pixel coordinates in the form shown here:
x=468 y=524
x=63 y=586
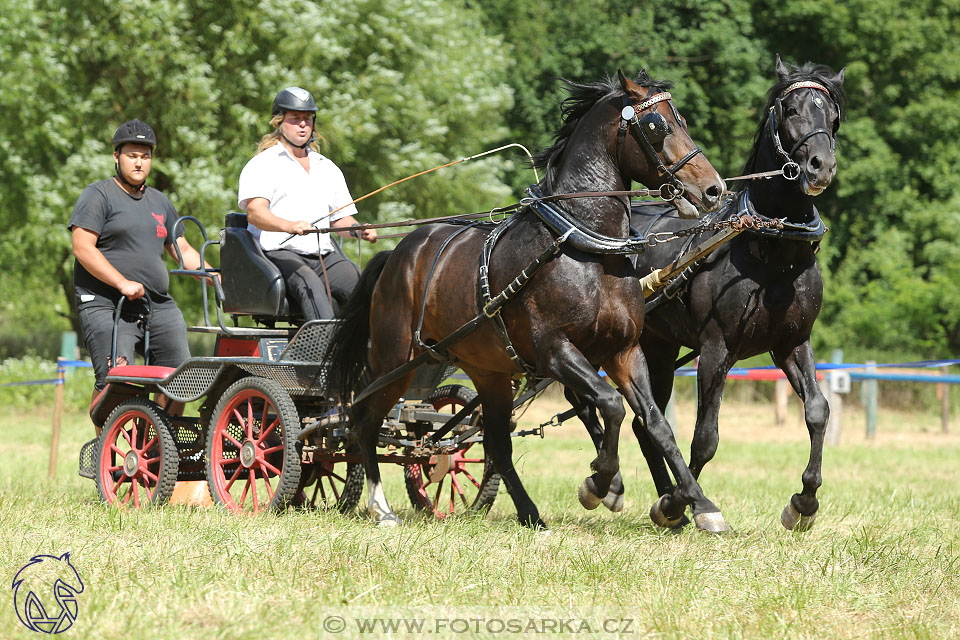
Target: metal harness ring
x=670 y=191
x=791 y=170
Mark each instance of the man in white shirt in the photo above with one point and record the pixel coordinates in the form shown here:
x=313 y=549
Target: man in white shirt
x=287 y=182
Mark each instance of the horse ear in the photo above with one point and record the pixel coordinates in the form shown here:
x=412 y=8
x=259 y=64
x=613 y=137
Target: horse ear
x=839 y=77
x=624 y=81
x=782 y=71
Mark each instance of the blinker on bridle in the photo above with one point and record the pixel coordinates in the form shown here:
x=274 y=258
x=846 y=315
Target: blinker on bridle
x=649 y=130
x=791 y=170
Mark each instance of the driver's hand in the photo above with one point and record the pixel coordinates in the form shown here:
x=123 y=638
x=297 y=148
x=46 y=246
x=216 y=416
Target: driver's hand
x=370 y=235
x=132 y=289
x=299 y=227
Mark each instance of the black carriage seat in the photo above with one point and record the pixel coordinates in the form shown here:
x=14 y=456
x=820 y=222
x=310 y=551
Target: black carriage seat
x=252 y=284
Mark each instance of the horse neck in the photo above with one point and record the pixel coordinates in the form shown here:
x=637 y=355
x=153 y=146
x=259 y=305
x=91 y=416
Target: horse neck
x=593 y=170
x=778 y=197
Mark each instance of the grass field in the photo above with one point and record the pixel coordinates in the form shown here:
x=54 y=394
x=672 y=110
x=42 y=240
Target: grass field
x=882 y=561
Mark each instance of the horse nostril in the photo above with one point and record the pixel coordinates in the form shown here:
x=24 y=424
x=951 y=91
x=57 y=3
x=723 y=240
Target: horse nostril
x=815 y=163
x=713 y=193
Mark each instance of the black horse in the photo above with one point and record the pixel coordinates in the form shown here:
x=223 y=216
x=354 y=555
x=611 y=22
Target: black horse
x=581 y=310
x=759 y=293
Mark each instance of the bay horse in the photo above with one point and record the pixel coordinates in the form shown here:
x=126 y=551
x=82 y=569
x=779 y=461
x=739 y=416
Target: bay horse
x=578 y=312
x=761 y=292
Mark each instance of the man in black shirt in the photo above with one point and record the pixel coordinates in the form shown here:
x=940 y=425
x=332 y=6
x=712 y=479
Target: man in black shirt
x=120 y=229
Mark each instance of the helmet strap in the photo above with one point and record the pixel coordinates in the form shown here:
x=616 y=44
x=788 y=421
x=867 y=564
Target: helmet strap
x=139 y=189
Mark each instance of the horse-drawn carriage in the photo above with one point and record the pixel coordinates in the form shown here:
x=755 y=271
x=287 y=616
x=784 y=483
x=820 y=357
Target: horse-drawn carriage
x=267 y=434
x=273 y=429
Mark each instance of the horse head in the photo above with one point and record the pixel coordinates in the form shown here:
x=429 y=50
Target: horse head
x=654 y=147
x=803 y=115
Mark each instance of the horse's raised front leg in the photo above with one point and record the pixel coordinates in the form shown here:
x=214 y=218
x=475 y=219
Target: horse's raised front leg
x=563 y=362
x=798 y=365
x=588 y=416
x=496 y=393
x=631 y=375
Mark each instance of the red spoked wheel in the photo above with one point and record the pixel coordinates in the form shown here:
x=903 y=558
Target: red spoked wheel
x=252 y=461
x=330 y=485
x=460 y=481
x=137 y=455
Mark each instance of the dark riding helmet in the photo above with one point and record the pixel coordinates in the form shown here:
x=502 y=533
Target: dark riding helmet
x=293 y=99
x=136 y=132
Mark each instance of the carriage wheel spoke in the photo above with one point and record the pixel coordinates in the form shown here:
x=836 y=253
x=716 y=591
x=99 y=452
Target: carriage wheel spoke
x=264 y=465
x=318 y=488
x=266 y=481
x=226 y=434
x=253 y=483
x=243 y=496
x=271 y=449
x=470 y=478
x=225 y=461
x=136 y=493
x=154 y=479
x=117 y=451
x=126 y=436
x=268 y=430
x=233 y=478
x=436 y=498
x=150 y=444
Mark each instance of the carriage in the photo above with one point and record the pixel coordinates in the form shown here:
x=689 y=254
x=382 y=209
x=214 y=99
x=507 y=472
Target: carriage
x=268 y=435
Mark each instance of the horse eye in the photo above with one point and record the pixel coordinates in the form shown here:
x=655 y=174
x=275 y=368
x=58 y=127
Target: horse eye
x=790 y=111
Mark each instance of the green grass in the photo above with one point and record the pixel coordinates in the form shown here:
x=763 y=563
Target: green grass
x=881 y=562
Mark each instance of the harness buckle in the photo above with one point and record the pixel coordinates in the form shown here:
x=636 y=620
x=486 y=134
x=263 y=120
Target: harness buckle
x=670 y=191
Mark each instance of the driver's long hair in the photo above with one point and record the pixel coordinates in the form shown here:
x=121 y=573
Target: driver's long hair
x=273 y=137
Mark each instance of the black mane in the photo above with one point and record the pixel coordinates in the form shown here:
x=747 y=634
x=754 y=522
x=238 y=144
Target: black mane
x=808 y=71
x=582 y=98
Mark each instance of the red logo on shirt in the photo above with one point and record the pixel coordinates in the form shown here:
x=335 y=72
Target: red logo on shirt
x=161 y=229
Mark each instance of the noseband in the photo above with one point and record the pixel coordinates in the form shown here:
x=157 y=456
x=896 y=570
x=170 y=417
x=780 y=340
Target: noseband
x=791 y=170
x=649 y=130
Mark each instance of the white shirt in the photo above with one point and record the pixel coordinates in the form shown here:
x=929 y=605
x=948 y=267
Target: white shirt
x=295 y=194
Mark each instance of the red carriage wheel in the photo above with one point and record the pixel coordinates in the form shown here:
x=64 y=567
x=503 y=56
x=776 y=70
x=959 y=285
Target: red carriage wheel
x=252 y=462
x=137 y=455
x=461 y=481
x=327 y=485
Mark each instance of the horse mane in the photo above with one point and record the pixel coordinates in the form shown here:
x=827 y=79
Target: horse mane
x=582 y=97
x=808 y=71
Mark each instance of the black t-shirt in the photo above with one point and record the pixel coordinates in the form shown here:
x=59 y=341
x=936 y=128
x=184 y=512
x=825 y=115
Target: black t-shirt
x=133 y=232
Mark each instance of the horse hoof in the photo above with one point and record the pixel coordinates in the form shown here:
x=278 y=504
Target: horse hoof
x=661 y=520
x=388 y=520
x=614 y=502
x=793 y=521
x=711 y=522
x=587 y=498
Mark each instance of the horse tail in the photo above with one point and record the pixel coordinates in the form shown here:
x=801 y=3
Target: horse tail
x=346 y=354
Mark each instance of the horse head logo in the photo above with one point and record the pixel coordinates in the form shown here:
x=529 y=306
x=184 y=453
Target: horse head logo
x=45 y=593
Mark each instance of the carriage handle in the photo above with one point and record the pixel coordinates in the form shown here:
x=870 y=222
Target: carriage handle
x=146 y=329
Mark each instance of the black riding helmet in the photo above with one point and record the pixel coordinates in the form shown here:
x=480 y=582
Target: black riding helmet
x=295 y=99
x=133 y=132
x=136 y=132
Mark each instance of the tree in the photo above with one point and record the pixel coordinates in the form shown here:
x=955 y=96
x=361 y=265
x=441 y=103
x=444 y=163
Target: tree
x=397 y=82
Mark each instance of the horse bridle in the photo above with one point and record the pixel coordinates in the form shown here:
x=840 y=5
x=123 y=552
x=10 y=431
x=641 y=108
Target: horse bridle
x=791 y=170
x=653 y=129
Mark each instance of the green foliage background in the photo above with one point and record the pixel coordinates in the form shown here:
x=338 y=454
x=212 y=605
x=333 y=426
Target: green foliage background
x=405 y=85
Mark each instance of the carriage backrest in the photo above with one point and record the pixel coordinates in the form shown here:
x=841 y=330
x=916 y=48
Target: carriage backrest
x=252 y=284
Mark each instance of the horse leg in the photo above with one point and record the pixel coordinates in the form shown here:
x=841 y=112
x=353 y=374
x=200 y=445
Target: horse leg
x=798 y=365
x=367 y=418
x=563 y=362
x=588 y=416
x=496 y=395
x=661 y=357
x=631 y=375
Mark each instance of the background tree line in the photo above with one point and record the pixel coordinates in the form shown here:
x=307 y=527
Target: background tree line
x=405 y=85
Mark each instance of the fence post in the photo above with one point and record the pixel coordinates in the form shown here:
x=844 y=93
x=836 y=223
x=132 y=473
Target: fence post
x=57 y=418
x=835 y=401
x=781 y=396
x=870 y=393
x=943 y=391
